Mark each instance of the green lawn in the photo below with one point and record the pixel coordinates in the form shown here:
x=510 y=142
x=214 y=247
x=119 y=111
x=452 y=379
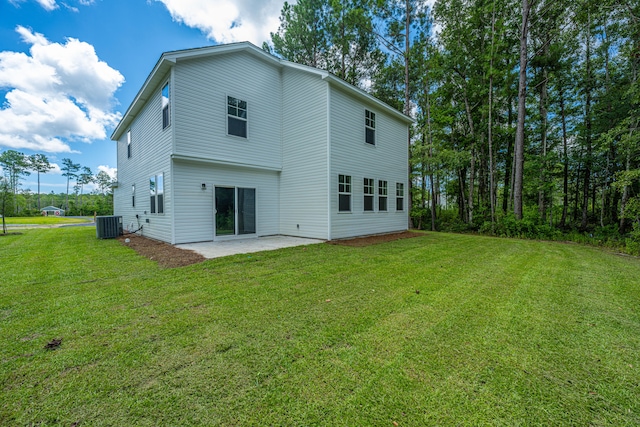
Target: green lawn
x=502 y=332
x=44 y=220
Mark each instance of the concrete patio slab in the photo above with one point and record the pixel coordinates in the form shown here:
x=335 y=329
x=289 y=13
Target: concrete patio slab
x=245 y=246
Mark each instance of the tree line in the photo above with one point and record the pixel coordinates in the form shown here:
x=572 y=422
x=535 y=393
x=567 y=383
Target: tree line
x=526 y=111
x=17 y=201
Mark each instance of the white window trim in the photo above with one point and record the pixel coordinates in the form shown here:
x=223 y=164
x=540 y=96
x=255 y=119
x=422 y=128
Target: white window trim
x=155 y=195
x=350 y=193
x=129 y=155
x=375 y=133
x=166 y=84
x=372 y=195
x=400 y=197
x=386 y=195
x=226 y=117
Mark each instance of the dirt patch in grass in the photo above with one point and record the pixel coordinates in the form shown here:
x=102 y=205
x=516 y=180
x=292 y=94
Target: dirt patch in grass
x=164 y=254
x=374 y=240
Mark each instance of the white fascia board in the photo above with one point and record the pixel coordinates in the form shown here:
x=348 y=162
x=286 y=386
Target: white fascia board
x=167 y=60
x=353 y=90
x=370 y=98
x=159 y=71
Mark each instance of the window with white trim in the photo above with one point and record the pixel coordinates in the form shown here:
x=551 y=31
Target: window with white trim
x=344 y=193
x=236 y=117
x=156 y=192
x=166 y=118
x=129 y=144
x=133 y=196
x=382 y=195
x=369 y=188
x=370 y=127
x=399 y=196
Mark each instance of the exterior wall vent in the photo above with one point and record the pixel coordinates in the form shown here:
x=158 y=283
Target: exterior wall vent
x=108 y=227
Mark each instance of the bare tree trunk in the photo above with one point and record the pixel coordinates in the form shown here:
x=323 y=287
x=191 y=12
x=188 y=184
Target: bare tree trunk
x=588 y=160
x=407 y=107
x=472 y=168
x=508 y=172
x=565 y=161
x=625 y=198
x=522 y=111
x=490 y=124
x=542 y=196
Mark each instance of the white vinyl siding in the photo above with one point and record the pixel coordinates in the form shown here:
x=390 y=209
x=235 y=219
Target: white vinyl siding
x=200 y=91
x=303 y=181
x=387 y=162
x=154 y=146
x=194 y=208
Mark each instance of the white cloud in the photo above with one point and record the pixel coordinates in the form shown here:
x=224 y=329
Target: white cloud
x=52 y=4
x=112 y=172
x=227 y=21
x=57 y=94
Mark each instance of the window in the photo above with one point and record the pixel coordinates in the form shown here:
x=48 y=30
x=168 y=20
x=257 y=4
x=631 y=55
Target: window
x=382 y=195
x=344 y=193
x=133 y=196
x=128 y=144
x=368 y=194
x=165 y=107
x=156 y=191
x=399 y=196
x=370 y=127
x=236 y=117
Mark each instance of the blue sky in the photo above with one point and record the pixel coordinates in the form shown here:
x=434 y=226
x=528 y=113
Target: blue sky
x=69 y=69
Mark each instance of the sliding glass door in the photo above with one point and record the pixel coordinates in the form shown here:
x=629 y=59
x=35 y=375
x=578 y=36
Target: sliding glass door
x=235 y=211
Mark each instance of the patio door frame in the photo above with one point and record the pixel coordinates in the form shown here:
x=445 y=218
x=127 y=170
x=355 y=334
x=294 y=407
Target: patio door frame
x=236 y=213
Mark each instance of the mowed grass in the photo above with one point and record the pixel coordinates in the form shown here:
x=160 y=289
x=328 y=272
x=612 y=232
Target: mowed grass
x=438 y=330
x=44 y=220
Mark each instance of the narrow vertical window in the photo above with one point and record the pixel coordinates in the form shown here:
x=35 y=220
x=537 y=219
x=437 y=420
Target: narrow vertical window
x=382 y=195
x=128 y=144
x=165 y=107
x=236 y=117
x=368 y=194
x=344 y=193
x=152 y=194
x=370 y=127
x=160 y=193
x=133 y=196
x=399 y=196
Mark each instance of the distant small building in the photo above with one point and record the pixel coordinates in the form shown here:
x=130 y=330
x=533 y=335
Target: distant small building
x=52 y=211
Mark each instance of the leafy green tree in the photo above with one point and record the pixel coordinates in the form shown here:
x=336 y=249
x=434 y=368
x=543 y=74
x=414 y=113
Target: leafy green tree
x=302 y=35
x=69 y=171
x=86 y=177
x=16 y=165
x=5 y=200
x=40 y=164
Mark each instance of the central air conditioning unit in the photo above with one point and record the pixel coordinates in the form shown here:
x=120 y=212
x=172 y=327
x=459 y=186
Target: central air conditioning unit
x=108 y=227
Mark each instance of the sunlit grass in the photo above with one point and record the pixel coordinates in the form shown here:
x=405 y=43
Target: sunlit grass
x=45 y=220
x=438 y=330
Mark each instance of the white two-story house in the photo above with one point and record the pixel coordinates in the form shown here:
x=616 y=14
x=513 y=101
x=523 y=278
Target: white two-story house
x=229 y=141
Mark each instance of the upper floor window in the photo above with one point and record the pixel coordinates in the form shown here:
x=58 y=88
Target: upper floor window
x=382 y=195
x=236 y=117
x=370 y=127
x=344 y=193
x=128 y=144
x=156 y=191
x=166 y=120
x=399 y=196
x=368 y=194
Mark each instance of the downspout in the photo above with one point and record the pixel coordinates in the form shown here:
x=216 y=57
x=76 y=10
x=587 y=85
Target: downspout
x=328 y=161
x=172 y=112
